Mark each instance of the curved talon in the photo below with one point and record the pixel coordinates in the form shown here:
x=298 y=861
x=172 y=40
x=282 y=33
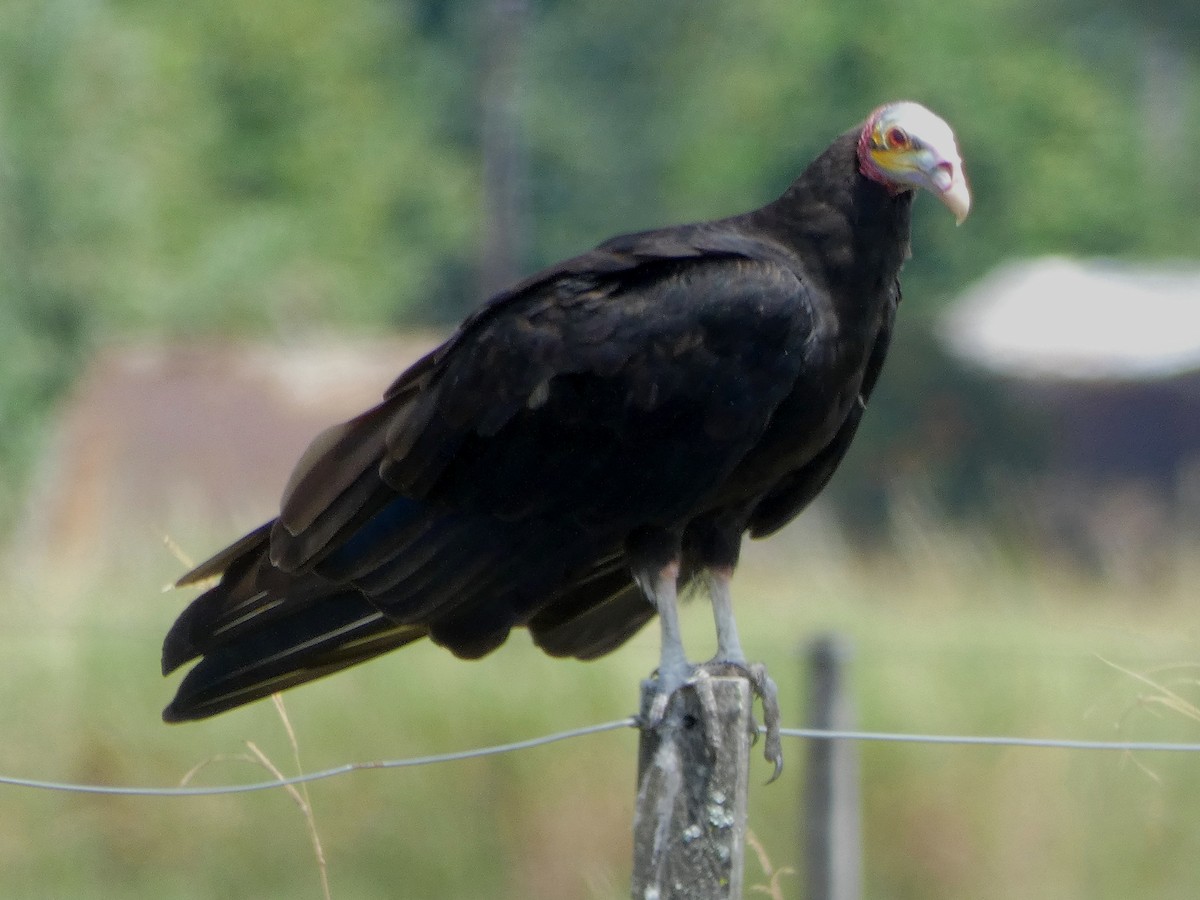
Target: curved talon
x=664 y=690
x=764 y=686
x=658 y=710
x=765 y=689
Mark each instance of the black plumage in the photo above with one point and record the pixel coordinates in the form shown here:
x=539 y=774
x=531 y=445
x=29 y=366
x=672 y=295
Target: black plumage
x=602 y=432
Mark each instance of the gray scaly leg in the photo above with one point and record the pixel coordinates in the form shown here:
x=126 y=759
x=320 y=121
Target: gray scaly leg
x=660 y=587
x=730 y=656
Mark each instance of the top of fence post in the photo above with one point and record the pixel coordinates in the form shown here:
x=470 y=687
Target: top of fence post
x=693 y=779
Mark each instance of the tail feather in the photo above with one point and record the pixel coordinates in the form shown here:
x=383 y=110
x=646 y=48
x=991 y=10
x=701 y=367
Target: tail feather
x=249 y=597
x=342 y=630
x=262 y=629
x=405 y=573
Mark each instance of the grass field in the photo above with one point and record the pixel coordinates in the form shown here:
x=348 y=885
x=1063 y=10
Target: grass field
x=949 y=636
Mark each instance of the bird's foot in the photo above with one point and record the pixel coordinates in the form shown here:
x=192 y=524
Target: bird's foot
x=764 y=688
x=667 y=680
x=761 y=684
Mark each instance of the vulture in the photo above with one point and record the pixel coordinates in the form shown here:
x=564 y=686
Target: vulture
x=587 y=444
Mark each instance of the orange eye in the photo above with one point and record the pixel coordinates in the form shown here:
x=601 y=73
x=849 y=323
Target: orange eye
x=897 y=139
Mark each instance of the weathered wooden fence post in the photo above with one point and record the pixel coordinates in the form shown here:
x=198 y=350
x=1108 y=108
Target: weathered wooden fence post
x=689 y=825
x=831 y=805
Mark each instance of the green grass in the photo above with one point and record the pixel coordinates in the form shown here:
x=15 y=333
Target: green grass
x=949 y=636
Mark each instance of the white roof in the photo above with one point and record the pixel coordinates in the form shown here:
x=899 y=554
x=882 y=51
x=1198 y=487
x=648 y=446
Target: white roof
x=1080 y=319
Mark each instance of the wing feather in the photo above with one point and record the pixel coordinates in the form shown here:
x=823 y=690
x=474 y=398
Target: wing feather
x=494 y=483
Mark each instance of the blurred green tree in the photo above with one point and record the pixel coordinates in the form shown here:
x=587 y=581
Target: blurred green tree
x=230 y=166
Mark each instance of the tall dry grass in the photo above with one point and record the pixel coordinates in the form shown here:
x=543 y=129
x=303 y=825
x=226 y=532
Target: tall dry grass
x=953 y=633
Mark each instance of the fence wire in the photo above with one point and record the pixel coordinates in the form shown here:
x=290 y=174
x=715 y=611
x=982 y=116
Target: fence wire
x=630 y=722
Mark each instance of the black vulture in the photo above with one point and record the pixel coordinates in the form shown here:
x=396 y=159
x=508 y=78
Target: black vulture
x=586 y=443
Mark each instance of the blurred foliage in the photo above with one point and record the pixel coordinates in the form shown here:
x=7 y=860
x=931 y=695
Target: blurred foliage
x=226 y=166
x=950 y=638
x=941 y=435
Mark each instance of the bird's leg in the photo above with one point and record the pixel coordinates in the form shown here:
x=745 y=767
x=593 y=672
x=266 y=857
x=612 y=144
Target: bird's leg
x=729 y=646
x=731 y=656
x=661 y=587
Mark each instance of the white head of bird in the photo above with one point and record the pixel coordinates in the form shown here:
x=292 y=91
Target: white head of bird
x=905 y=146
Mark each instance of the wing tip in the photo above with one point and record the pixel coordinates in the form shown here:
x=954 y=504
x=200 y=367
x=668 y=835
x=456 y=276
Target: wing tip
x=216 y=565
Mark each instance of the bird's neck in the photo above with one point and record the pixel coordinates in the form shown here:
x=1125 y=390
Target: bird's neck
x=849 y=228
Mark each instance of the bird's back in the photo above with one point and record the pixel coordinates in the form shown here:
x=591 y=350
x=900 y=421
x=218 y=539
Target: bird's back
x=676 y=380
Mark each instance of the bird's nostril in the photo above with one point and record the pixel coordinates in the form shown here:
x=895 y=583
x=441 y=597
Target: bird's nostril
x=943 y=176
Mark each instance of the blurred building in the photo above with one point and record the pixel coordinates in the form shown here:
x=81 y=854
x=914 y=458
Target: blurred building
x=1108 y=354
x=188 y=441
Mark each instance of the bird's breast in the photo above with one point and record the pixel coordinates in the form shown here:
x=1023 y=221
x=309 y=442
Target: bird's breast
x=809 y=416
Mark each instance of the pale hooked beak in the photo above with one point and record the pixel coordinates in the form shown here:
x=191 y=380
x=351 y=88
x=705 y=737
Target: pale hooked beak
x=948 y=184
